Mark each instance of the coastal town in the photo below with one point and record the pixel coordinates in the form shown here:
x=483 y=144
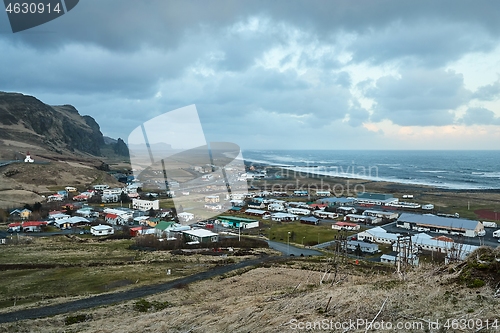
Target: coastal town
x=374 y=226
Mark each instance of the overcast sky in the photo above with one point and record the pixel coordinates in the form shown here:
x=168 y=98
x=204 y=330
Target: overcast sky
x=274 y=74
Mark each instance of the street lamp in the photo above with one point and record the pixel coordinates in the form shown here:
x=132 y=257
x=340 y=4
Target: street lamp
x=288 y=245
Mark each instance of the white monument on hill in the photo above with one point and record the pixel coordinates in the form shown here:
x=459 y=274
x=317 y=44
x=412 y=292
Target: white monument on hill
x=28 y=158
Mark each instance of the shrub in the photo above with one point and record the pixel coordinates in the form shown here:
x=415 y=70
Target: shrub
x=143 y=305
x=77 y=319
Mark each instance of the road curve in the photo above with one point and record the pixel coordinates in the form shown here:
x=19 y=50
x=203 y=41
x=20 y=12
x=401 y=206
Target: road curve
x=107 y=299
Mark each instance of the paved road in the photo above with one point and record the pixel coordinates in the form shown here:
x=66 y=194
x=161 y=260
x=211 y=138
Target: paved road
x=107 y=299
x=296 y=251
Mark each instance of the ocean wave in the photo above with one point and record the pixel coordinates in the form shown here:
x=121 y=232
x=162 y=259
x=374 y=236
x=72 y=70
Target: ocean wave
x=491 y=175
x=410 y=180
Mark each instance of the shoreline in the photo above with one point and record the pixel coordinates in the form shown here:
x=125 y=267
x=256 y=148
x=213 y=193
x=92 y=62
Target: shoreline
x=450 y=201
x=394 y=186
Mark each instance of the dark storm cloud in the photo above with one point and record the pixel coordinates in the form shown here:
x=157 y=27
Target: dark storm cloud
x=128 y=25
x=117 y=55
x=420 y=97
x=430 y=43
x=479 y=116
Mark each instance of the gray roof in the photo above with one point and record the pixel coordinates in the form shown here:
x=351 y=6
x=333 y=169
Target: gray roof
x=375 y=196
x=309 y=218
x=438 y=221
x=335 y=200
x=362 y=244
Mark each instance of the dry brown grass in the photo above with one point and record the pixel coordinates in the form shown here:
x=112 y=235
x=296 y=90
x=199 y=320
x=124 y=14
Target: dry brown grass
x=267 y=299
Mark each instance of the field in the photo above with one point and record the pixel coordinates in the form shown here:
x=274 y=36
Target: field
x=41 y=270
x=276 y=298
x=302 y=233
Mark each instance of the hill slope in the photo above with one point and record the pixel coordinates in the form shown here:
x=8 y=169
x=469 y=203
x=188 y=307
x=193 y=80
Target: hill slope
x=26 y=123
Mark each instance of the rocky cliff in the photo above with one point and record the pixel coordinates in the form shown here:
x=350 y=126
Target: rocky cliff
x=27 y=122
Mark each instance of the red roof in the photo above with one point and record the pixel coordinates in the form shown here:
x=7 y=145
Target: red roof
x=318 y=205
x=137 y=228
x=34 y=224
x=111 y=216
x=55 y=212
x=444 y=239
x=13 y=225
x=346 y=224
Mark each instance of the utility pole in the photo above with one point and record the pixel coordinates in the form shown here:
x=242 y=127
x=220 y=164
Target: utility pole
x=288 y=245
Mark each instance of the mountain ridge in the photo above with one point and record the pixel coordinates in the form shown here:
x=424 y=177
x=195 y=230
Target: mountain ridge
x=27 y=123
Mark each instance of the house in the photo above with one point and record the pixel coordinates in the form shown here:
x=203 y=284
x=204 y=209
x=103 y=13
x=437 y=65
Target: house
x=112 y=191
x=387 y=258
x=185 y=216
x=337 y=201
x=411 y=258
x=137 y=231
x=284 y=217
x=362 y=219
x=309 y=220
x=113 y=219
x=201 y=236
x=100 y=187
x=53 y=218
x=23 y=213
x=375 y=198
x=256 y=204
x=55 y=197
x=214 y=207
x=446 y=225
x=345 y=226
x=238 y=196
x=87 y=212
x=70 y=222
x=145 y=205
x=299 y=211
x=378 y=235
x=381 y=214
x=212 y=199
x=119 y=216
x=257 y=212
x=14 y=227
x=237 y=203
x=33 y=226
x=365 y=247
x=107 y=198
x=102 y=230
x=318 y=206
x=346 y=210
x=163 y=228
x=325 y=215
x=424 y=242
x=276 y=207
x=237 y=222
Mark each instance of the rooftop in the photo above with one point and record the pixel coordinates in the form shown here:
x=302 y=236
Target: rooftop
x=439 y=221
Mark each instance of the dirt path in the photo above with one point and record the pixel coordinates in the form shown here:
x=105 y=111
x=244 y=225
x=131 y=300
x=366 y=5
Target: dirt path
x=107 y=299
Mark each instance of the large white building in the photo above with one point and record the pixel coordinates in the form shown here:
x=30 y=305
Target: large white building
x=145 y=205
x=445 y=225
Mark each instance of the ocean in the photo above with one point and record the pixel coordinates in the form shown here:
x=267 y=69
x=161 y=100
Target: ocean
x=451 y=169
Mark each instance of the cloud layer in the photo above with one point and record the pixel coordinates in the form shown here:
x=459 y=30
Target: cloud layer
x=281 y=74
